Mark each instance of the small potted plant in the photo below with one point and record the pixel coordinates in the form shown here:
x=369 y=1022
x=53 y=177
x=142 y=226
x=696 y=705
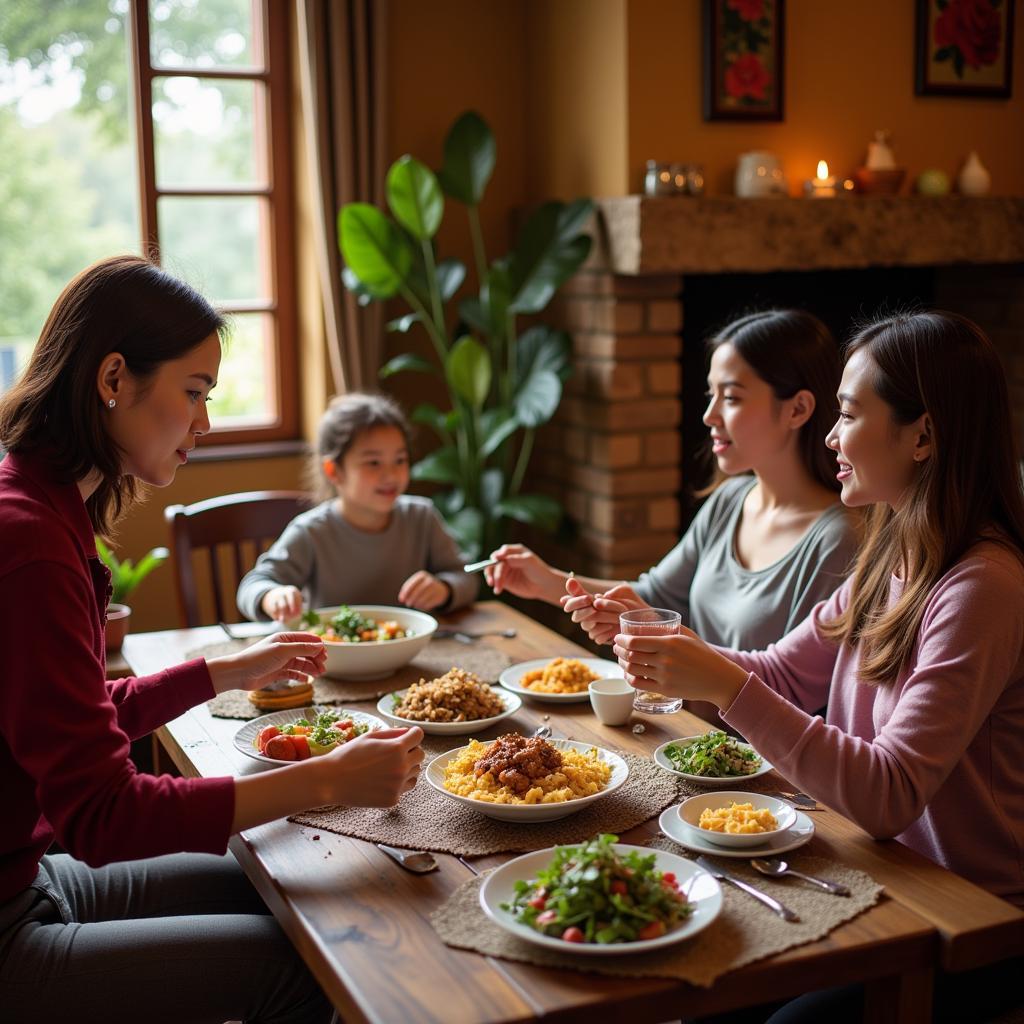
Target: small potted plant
x=124 y=578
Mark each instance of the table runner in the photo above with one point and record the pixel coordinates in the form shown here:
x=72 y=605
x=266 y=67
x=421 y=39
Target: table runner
x=745 y=931
x=434 y=660
x=426 y=820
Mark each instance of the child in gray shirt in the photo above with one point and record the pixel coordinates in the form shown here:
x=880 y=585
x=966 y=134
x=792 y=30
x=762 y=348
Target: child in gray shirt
x=369 y=543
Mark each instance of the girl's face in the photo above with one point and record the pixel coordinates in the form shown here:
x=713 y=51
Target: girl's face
x=748 y=424
x=877 y=457
x=373 y=472
x=155 y=423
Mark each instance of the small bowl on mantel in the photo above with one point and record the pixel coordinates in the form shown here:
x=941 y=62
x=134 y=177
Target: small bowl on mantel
x=885 y=181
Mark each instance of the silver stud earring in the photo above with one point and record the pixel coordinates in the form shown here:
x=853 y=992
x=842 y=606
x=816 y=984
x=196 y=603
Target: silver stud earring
x=111 y=403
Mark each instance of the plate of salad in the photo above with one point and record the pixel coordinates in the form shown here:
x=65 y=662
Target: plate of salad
x=712 y=759
x=301 y=733
x=601 y=897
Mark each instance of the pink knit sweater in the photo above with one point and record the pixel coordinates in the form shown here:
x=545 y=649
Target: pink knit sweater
x=936 y=758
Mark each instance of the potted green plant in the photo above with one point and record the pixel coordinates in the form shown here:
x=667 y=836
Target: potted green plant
x=502 y=384
x=124 y=578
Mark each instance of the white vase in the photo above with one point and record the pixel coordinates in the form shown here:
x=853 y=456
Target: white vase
x=759 y=174
x=974 y=179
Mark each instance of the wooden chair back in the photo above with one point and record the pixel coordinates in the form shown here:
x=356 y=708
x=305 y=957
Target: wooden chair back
x=225 y=534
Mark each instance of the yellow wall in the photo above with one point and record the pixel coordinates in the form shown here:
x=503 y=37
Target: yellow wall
x=849 y=71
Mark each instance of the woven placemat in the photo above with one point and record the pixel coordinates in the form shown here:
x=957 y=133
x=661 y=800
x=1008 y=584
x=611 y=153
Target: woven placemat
x=745 y=931
x=434 y=660
x=426 y=820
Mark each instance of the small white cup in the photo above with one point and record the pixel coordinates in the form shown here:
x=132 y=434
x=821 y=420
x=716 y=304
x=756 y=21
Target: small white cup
x=612 y=700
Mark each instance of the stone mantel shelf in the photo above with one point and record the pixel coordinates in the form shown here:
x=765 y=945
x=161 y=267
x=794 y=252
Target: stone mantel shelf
x=685 y=235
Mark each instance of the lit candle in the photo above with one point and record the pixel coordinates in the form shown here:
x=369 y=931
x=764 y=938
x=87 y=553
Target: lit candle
x=822 y=185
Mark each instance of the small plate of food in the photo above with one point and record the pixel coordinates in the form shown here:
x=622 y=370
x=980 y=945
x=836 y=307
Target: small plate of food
x=601 y=898
x=302 y=733
x=455 y=703
x=713 y=759
x=558 y=680
x=735 y=824
x=527 y=779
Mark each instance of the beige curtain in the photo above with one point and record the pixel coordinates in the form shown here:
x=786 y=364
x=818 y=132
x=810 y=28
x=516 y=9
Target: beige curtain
x=341 y=48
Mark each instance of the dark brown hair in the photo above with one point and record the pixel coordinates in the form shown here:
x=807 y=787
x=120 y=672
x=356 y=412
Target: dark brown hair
x=124 y=304
x=346 y=417
x=792 y=350
x=969 y=486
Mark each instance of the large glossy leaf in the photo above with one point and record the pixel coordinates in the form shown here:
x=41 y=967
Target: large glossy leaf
x=449 y=502
x=374 y=248
x=538 y=398
x=468 y=368
x=548 y=253
x=535 y=509
x=415 y=197
x=405 y=362
x=403 y=324
x=468 y=526
x=469 y=153
x=450 y=275
x=442 y=423
x=472 y=311
x=542 y=348
x=496 y=426
x=492 y=487
x=441 y=466
x=355 y=286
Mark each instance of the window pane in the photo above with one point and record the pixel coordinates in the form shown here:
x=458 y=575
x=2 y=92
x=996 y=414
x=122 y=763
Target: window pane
x=68 y=192
x=203 y=34
x=204 y=134
x=244 y=393
x=219 y=244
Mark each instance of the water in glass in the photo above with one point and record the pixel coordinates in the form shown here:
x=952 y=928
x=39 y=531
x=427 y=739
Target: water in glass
x=652 y=622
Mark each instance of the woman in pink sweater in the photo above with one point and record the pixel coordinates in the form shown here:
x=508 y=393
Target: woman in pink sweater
x=921 y=651
x=143 y=917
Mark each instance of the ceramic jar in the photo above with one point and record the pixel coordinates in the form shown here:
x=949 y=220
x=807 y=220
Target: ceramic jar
x=759 y=174
x=974 y=179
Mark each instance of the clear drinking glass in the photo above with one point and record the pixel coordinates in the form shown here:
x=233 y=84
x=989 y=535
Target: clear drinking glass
x=652 y=622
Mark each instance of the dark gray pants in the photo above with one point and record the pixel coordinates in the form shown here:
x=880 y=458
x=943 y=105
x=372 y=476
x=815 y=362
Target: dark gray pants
x=181 y=939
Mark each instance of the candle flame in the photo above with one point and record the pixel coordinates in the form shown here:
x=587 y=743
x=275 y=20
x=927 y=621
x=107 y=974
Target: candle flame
x=822 y=169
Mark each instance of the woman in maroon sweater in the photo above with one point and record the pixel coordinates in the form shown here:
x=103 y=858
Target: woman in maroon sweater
x=144 y=916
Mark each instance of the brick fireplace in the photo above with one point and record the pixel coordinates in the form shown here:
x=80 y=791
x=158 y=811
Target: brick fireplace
x=620 y=453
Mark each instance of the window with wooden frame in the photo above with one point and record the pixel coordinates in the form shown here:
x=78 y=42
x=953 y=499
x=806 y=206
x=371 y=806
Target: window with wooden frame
x=211 y=86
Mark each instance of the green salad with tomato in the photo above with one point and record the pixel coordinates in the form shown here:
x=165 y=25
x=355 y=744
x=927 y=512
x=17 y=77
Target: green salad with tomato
x=715 y=755
x=593 y=893
x=301 y=739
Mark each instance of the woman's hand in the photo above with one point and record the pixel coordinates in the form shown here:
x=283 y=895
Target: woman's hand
x=679 y=666
x=424 y=591
x=278 y=656
x=521 y=572
x=598 y=614
x=282 y=603
x=373 y=770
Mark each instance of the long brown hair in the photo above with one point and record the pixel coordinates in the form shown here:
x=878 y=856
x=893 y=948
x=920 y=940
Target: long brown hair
x=969 y=486
x=791 y=350
x=124 y=304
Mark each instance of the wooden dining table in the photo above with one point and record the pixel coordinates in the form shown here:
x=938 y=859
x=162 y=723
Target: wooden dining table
x=361 y=922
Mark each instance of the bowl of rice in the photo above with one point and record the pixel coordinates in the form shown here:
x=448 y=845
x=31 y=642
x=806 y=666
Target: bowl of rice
x=455 y=703
x=515 y=778
x=730 y=818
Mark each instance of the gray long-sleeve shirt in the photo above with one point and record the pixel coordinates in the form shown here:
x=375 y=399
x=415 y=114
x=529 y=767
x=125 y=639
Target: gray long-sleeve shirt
x=333 y=563
x=745 y=609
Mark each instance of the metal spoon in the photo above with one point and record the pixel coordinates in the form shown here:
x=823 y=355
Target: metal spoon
x=466 y=638
x=774 y=867
x=542 y=731
x=418 y=861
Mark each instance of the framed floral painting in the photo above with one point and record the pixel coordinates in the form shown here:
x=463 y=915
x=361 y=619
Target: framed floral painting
x=964 y=47
x=743 y=66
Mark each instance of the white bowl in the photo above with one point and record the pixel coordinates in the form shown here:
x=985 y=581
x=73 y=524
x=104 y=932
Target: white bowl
x=246 y=735
x=377 y=658
x=663 y=761
x=510 y=700
x=694 y=839
x=532 y=812
x=690 y=811
x=701 y=889
x=511 y=676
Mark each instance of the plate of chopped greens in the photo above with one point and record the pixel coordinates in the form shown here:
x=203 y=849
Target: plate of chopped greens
x=601 y=897
x=301 y=733
x=713 y=759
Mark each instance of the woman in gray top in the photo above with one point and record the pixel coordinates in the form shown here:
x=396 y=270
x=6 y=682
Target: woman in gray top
x=368 y=543
x=768 y=544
